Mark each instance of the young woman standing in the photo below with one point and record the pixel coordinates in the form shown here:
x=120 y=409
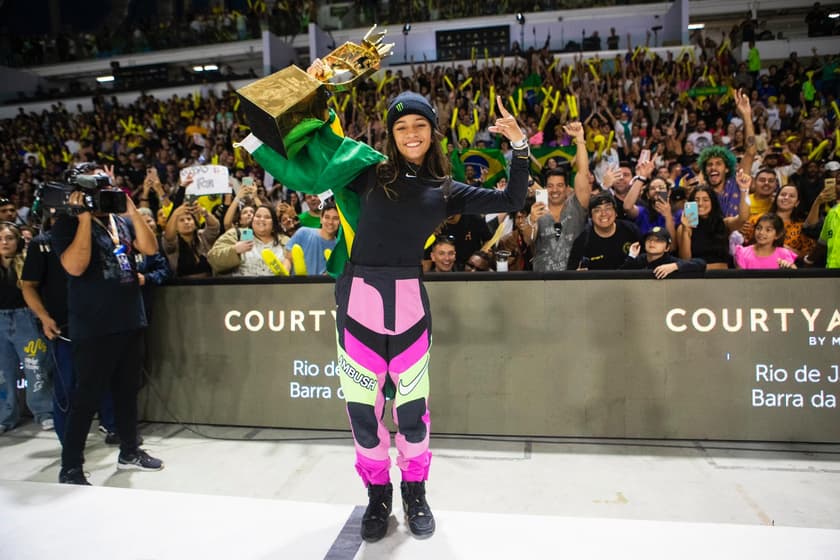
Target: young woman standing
x=383 y=323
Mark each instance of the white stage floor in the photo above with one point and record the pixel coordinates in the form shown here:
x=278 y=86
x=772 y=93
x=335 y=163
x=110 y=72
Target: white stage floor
x=260 y=494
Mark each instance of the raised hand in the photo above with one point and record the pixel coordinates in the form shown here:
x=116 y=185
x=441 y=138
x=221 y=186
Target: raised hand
x=742 y=104
x=743 y=179
x=506 y=125
x=645 y=168
x=610 y=176
x=574 y=129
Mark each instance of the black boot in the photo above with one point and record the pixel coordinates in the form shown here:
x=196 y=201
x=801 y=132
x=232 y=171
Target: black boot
x=375 y=520
x=417 y=511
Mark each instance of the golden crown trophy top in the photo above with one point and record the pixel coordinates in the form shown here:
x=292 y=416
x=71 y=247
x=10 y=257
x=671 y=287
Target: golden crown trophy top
x=278 y=103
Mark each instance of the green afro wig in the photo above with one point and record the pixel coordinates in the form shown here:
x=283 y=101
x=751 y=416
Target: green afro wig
x=717 y=152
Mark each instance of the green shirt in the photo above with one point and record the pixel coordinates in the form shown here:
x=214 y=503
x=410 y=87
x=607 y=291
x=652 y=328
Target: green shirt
x=829 y=237
x=308 y=220
x=754 y=60
x=808 y=90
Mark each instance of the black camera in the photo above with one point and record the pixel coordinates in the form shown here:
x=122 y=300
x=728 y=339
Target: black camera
x=99 y=196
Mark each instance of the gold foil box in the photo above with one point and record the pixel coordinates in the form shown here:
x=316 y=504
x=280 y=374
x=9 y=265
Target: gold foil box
x=277 y=103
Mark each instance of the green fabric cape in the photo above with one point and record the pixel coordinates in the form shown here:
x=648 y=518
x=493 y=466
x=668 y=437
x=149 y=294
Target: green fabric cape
x=322 y=159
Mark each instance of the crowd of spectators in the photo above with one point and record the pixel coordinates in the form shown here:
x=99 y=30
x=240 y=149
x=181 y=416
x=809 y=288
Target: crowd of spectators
x=285 y=18
x=657 y=131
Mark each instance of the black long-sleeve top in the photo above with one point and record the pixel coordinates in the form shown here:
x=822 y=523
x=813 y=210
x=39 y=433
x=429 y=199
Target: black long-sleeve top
x=392 y=231
x=640 y=262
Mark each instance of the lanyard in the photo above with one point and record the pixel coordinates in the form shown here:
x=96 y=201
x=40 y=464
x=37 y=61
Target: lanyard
x=111 y=229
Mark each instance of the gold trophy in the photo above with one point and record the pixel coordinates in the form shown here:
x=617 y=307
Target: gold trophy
x=277 y=103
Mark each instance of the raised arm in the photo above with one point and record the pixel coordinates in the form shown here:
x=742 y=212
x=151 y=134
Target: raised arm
x=644 y=171
x=583 y=188
x=744 y=181
x=742 y=106
x=144 y=240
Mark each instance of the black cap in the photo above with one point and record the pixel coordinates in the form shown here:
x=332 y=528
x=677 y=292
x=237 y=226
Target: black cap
x=603 y=197
x=410 y=103
x=660 y=233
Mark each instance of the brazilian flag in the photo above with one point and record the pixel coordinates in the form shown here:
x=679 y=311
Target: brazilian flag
x=479 y=158
x=531 y=88
x=321 y=158
x=544 y=153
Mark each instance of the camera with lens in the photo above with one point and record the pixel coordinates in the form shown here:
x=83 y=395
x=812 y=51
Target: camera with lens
x=99 y=195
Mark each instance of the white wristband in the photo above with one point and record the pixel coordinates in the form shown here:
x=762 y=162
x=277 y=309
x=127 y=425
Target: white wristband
x=519 y=145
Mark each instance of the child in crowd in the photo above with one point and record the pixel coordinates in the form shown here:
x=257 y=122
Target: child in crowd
x=657 y=256
x=767 y=252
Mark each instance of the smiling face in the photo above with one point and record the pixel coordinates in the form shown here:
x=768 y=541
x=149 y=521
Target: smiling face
x=413 y=137
x=787 y=199
x=262 y=223
x=704 y=203
x=765 y=234
x=443 y=255
x=330 y=222
x=558 y=191
x=603 y=216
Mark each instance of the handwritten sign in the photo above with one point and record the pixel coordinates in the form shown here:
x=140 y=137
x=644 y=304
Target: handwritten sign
x=206 y=180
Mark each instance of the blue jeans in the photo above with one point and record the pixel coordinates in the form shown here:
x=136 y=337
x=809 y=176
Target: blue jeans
x=21 y=343
x=61 y=366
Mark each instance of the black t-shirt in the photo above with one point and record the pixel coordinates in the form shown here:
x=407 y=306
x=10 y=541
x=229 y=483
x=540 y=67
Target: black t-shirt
x=604 y=253
x=10 y=295
x=470 y=233
x=106 y=298
x=710 y=244
x=42 y=265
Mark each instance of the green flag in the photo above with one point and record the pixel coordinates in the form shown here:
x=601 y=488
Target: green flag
x=323 y=159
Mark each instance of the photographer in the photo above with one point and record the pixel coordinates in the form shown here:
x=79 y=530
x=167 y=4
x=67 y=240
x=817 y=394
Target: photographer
x=106 y=317
x=185 y=245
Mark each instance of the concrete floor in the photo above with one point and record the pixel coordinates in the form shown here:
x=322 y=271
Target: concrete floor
x=238 y=493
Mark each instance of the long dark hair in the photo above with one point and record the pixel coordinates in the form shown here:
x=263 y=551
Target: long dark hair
x=798 y=214
x=778 y=225
x=714 y=222
x=276 y=230
x=436 y=165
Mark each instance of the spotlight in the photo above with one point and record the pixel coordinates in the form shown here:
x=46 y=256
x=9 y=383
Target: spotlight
x=520 y=18
x=696 y=26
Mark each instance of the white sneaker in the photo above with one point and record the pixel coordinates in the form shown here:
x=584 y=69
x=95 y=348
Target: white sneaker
x=47 y=424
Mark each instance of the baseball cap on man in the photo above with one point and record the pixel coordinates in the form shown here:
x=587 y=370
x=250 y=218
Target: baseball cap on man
x=410 y=103
x=602 y=198
x=659 y=233
x=832 y=166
